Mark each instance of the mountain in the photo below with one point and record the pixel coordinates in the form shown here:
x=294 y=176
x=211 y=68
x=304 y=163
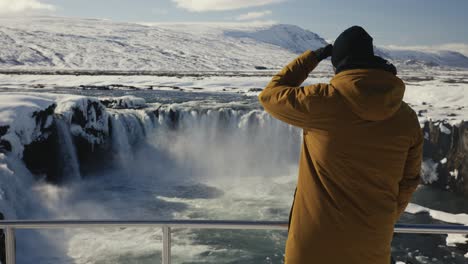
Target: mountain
x=65 y=43
x=289 y=37
x=71 y=43
x=425 y=57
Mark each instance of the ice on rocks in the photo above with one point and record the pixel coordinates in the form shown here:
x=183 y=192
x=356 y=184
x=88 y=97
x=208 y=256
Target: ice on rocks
x=124 y=102
x=18 y=113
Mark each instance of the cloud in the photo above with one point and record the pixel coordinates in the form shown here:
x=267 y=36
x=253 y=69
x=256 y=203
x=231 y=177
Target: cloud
x=458 y=47
x=16 y=6
x=220 y=5
x=159 y=11
x=253 y=15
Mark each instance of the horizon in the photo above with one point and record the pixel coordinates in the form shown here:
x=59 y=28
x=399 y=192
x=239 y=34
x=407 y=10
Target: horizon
x=397 y=23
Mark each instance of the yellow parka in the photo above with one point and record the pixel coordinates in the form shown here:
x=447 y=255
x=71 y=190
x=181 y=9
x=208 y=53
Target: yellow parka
x=360 y=161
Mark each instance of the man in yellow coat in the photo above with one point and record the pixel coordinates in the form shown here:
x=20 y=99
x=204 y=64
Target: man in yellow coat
x=361 y=154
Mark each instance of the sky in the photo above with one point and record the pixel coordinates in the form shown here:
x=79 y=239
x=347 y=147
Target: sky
x=395 y=22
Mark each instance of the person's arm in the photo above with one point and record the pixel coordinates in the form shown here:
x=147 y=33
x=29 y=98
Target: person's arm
x=286 y=101
x=411 y=175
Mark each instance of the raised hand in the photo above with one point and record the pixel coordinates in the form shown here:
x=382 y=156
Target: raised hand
x=324 y=52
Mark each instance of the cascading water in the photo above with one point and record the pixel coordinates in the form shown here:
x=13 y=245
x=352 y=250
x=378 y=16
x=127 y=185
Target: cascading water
x=69 y=166
x=120 y=139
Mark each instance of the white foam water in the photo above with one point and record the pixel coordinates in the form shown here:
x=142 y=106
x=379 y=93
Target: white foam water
x=70 y=167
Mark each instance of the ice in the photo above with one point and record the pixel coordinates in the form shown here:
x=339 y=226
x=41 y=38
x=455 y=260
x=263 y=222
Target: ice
x=439 y=215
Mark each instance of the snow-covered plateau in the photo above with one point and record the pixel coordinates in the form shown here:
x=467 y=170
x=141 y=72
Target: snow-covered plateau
x=107 y=120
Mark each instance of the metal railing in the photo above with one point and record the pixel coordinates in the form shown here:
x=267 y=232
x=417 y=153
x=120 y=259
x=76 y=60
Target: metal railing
x=10 y=227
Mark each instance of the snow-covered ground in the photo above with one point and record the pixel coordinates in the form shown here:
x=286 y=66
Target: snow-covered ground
x=437 y=96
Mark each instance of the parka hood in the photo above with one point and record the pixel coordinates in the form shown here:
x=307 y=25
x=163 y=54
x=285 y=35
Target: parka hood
x=372 y=94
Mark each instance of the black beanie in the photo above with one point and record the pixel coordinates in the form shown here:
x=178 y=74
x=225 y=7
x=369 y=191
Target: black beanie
x=354 y=42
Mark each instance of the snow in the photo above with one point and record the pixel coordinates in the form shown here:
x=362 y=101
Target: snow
x=126 y=102
x=454 y=173
x=289 y=37
x=437 y=99
x=73 y=43
x=56 y=43
x=94 y=114
x=453 y=239
x=444 y=129
x=48 y=42
x=231 y=51
x=439 y=215
x=443 y=161
x=16 y=111
x=436 y=57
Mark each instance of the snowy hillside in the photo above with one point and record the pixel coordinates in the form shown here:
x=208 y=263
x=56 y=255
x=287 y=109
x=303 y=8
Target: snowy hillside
x=290 y=37
x=98 y=44
x=425 y=57
x=66 y=43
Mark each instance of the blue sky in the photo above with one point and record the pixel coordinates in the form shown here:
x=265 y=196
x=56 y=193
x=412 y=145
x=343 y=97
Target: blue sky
x=398 y=22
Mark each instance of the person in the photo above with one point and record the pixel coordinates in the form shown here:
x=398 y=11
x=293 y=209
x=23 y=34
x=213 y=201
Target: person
x=361 y=153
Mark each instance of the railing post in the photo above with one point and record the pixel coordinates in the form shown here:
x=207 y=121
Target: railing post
x=166 y=251
x=10 y=247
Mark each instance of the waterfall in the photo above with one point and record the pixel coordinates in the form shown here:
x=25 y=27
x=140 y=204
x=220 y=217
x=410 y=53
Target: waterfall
x=69 y=166
x=226 y=142
x=121 y=147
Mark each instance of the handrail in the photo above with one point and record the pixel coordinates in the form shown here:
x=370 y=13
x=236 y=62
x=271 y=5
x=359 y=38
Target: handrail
x=166 y=225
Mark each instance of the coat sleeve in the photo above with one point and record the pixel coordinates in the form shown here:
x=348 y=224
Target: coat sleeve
x=285 y=100
x=412 y=174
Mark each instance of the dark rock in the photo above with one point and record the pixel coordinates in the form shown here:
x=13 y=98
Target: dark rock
x=41 y=156
x=174 y=118
x=94 y=87
x=5 y=146
x=452 y=148
x=93 y=157
x=3 y=130
x=255 y=90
